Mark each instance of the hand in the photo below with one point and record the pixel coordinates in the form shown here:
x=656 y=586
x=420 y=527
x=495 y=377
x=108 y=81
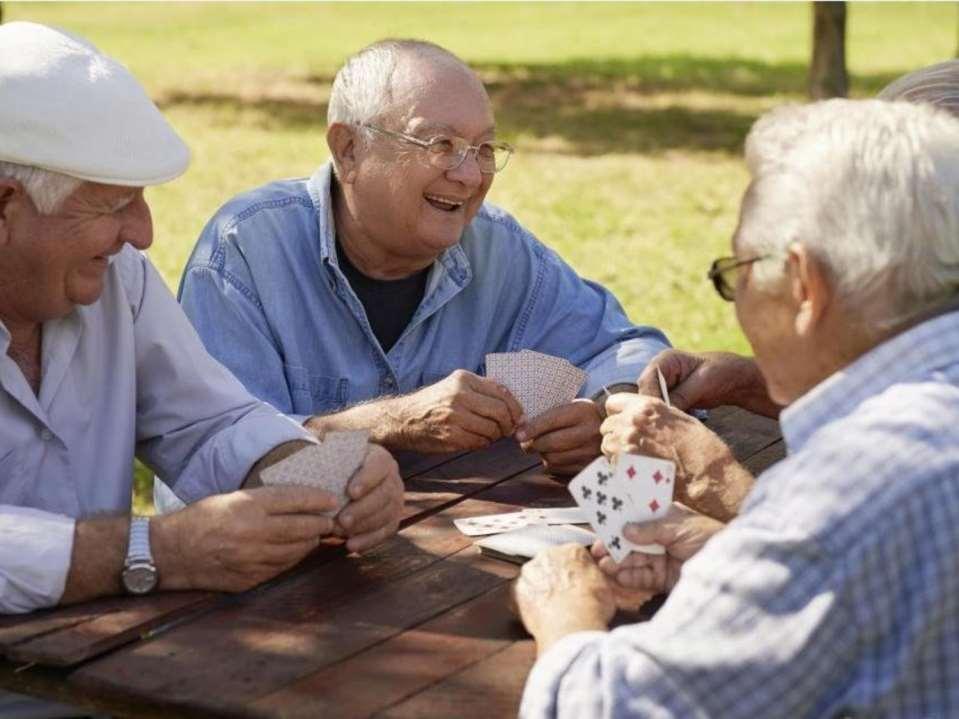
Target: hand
x=567 y=436
x=462 y=412
x=232 y=542
x=561 y=591
x=709 y=379
x=682 y=532
x=708 y=477
x=376 y=502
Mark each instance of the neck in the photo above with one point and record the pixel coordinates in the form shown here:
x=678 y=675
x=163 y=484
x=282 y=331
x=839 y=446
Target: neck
x=369 y=258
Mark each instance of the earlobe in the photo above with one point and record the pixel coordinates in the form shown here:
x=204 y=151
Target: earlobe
x=342 y=143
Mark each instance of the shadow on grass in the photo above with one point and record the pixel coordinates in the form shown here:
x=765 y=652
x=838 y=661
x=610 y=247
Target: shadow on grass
x=591 y=107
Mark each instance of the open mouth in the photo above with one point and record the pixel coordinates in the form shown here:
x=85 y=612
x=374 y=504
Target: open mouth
x=444 y=203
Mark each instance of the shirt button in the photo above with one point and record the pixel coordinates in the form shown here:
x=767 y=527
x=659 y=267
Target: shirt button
x=390 y=384
x=46 y=435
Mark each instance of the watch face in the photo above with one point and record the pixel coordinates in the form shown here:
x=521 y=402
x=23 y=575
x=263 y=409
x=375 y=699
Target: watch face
x=139 y=578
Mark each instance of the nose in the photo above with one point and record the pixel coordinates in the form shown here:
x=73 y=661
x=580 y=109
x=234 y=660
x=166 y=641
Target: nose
x=468 y=171
x=137 y=229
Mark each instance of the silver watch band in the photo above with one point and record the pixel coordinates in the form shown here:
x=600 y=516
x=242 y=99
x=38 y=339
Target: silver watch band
x=138 y=549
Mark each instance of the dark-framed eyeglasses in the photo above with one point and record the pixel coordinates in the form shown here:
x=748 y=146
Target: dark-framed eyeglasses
x=724 y=273
x=448 y=153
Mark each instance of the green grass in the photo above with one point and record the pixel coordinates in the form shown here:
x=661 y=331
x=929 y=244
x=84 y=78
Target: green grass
x=629 y=118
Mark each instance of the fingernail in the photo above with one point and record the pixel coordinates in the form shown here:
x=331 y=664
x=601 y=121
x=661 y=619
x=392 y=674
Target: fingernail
x=521 y=435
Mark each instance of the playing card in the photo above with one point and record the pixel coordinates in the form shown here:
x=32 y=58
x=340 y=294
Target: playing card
x=328 y=465
x=557 y=515
x=491 y=523
x=593 y=490
x=538 y=381
x=522 y=544
x=649 y=482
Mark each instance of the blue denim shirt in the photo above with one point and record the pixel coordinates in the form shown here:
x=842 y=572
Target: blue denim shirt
x=265 y=292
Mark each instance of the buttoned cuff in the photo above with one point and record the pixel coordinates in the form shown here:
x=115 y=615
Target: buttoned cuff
x=35 y=552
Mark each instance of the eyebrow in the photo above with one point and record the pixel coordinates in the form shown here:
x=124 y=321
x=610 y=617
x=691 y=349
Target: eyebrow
x=438 y=126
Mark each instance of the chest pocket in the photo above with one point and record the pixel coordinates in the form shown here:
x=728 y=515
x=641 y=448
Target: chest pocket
x=315 y=394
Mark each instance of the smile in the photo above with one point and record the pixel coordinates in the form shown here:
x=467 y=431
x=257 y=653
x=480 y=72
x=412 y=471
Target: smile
x=444 y=203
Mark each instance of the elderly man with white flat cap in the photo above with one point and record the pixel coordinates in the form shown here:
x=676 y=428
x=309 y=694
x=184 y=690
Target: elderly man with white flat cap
x=99 y=364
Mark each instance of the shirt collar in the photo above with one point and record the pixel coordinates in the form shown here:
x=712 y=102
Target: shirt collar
x=910 y=355
x=453 y=261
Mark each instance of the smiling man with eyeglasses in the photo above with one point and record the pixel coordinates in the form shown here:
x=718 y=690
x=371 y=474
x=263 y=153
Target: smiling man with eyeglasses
x=369 y=294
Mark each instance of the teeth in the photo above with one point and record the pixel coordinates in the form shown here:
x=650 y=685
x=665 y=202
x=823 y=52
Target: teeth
x=444 y=200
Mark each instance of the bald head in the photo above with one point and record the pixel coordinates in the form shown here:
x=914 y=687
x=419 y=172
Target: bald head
x=387 y=76
x=936 y=85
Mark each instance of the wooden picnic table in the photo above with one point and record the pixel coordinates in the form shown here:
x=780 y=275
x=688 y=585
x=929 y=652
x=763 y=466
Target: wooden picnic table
x=418 y=627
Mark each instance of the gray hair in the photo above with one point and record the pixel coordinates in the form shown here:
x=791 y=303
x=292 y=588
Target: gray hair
x=872 y=189
x=46 y=188
x=936 y=84
x=363 y=89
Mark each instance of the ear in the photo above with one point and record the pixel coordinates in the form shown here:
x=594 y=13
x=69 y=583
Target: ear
x=12 y=195
x=341 y=140
x=810 y=288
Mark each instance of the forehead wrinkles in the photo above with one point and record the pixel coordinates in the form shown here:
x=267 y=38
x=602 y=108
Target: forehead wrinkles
x=417 y=83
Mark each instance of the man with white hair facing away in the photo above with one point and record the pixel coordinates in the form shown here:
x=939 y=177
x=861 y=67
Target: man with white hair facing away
x=99 y=363
x=836 y=590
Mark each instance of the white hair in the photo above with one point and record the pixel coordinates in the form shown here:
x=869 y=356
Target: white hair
x=46 y=188
x=936 y=84
x=871 y=188
x=364 y=88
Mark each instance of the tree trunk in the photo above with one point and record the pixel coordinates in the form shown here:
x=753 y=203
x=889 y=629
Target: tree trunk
x=827 y=73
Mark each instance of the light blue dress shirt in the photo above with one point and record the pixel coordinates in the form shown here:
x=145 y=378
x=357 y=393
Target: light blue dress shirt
x=126 y=374
x=835 y=592
x=266 y=294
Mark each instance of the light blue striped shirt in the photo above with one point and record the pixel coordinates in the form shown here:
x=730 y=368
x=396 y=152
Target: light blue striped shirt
x=836 y=591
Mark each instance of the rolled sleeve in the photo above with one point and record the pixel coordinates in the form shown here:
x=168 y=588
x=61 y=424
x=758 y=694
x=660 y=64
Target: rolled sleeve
x=198 y=428
x=35 y=552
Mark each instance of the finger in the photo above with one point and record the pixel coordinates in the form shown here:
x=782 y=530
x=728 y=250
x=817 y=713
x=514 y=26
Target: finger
x=494 y=409
x=639 y=578
x=293 y=499
x=598 y=550
x=358 y=511
x=286 y=554
x=565 y=439
x=622 y=401
x=565 y=415
x=494 y=389
x=293 y=528
x=367 y=541
x=645 y=533
x=377 y=467
x=369 y=521
x=473 y=423
x=461 y=438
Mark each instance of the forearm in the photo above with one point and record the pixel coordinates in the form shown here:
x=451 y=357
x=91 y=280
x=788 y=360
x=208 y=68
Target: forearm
x=99 y=548
x=383 y=417
x=720 y=490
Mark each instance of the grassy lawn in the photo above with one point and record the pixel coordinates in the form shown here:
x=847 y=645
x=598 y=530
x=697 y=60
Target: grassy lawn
x=629 y=118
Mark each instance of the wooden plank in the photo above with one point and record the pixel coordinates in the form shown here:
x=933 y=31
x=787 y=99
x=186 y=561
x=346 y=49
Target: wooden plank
x=745 y=433
x=490 y=688
x=262 y=642
x=463 y=477
x=412 y=463
x=401 y=666
x=69 y=636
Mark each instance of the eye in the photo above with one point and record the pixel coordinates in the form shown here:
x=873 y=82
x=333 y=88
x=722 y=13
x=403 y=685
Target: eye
x=487 y=151
x=442 y=146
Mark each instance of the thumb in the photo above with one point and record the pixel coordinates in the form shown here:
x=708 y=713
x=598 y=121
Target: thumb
x=652 y=532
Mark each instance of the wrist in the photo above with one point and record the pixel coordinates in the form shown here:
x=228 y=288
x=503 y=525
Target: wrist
x=558 y=628
x=167 y=552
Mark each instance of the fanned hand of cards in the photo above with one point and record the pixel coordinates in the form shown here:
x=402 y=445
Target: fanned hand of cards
x=538 y=381
x=637 y=490
x=328 y=465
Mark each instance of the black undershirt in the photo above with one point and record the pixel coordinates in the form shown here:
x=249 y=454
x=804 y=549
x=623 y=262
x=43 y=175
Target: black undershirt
x=389 y=304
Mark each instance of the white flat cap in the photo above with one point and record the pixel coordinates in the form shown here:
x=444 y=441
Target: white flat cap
x=66 y=107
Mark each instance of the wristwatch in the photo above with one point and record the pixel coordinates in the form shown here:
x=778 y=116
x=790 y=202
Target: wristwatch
x=600 y=397
x=139 y=574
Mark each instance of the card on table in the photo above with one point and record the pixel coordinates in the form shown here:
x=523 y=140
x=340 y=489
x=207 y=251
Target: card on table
x=328 y=465
x=496 y=523
x=519 y=545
